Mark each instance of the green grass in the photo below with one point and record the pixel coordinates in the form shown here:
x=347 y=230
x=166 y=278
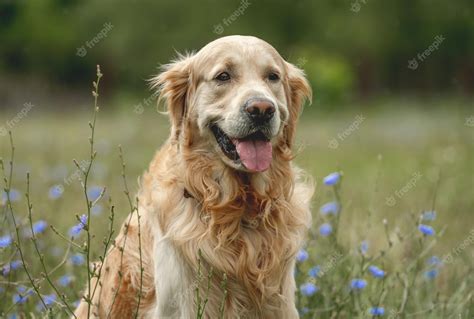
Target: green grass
x=377 y=159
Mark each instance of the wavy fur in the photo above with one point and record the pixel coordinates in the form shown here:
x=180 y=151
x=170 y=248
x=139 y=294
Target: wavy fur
x=248 y=226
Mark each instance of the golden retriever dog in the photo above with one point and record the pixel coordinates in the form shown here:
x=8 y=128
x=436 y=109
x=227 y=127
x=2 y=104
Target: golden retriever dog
x=224 y=185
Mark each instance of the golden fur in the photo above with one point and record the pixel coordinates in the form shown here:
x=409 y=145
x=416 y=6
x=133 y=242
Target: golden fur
x=248 y=226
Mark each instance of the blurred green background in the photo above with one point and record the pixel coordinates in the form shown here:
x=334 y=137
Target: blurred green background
x=354 y=49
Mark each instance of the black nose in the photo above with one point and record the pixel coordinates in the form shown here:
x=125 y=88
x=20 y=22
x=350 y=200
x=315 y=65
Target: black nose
x=259 y=110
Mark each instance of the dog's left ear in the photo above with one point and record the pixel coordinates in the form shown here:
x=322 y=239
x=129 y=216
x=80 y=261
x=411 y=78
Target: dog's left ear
x=298 y=91
x=173 y=86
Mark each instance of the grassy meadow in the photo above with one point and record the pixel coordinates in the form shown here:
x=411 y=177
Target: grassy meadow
x=396 y=163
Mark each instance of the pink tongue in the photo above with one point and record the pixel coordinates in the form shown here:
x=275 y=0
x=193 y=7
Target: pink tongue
x=256 y=155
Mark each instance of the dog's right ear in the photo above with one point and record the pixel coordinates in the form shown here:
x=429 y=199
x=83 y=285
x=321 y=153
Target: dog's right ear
x=299 y=90
x=173 y=86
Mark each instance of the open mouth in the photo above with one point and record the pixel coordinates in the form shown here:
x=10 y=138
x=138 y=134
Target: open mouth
x=253 y=151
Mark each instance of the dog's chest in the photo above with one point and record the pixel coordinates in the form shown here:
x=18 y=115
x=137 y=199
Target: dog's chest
x=253 y=269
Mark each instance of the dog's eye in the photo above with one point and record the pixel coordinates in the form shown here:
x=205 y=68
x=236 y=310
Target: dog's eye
x=273 y=77
x=223 y=77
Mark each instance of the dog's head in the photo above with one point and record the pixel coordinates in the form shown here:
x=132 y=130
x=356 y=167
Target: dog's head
x=236 y=97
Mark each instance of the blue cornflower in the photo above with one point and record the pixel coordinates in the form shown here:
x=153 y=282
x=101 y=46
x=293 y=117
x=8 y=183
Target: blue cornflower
x=332 y=179
x=21 y=289
x=5 y=241
x=56 y=191
x=434 y=261
x=15 y=264
x=19 y=298
x=358 y=284
x=77 y=229
x=94 y=193
x=330 y=208
x=429 y=215
x=14 y=196
x=325 y=229
x=376 y=272
x=39 y=227
x=308 y=289
x=426 y=230
x=302 y=255
x=49 y=299
x=65 y=280
x=24 y=290
x=77 y=259
x=364 y=247
x=431 y=274
x=313 y=272
x=377 y=311
x=5 y=270
x=96 y=209
x=304 y=310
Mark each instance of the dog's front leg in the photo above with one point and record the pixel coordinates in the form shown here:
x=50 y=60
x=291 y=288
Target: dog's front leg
x=173 y=282
x=288 y=290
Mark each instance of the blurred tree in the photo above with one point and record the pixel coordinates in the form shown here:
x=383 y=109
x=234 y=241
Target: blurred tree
x=355 y=46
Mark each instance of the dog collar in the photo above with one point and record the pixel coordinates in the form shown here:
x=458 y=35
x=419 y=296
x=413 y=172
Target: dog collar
x=187 y=194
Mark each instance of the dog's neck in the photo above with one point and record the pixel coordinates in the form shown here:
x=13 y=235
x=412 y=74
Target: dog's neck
x=247 y=189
